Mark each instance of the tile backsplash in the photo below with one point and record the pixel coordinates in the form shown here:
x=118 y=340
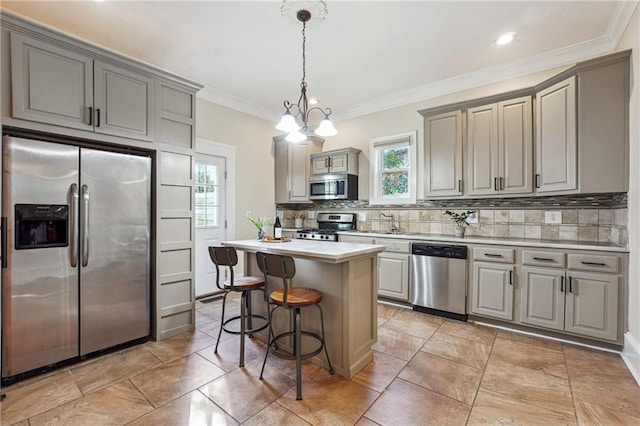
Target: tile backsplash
x=581 y=220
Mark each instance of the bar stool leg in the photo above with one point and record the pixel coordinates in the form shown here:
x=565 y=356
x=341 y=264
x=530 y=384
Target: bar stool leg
x=269 y=334
x=326 y=352
x=298 y=349
x=224 y=304
x=243 y=301
x=249 y=318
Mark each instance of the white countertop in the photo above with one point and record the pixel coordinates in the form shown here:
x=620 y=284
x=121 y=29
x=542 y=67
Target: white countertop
x=323 y=251
x=529 y=242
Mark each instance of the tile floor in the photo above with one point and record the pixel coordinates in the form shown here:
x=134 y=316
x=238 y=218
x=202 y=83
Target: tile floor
x=426 y=370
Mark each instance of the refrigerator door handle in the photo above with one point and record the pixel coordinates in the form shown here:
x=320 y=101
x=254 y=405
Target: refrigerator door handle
x=3 y=242
x=85 y=225
x=74 y=225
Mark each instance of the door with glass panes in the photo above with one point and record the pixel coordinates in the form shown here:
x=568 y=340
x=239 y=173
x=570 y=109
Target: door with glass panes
x=210 y=219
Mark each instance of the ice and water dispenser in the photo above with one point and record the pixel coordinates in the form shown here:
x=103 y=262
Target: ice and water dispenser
x=41 y=225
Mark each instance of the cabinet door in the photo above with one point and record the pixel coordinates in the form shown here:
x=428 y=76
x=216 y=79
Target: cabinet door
x=338 y=163
x=393 y=275
x=320 y=165
x=556 y=144
x=443 y=155
x=299 y=164
x=592 y=305
x=123 y=102
x=542 y=297
x=492 y=290
x=482 y=150
x=49 y=84
x=515 y=139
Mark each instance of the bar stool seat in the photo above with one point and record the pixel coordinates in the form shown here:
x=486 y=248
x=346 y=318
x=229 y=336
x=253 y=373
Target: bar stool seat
x=292 y=299
x=227 y=256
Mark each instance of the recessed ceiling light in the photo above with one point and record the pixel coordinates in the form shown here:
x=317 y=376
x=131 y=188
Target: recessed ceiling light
x=505 y=38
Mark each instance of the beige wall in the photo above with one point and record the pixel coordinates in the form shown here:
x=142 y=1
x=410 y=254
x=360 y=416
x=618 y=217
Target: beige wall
x=254 y=159
x=631 y=40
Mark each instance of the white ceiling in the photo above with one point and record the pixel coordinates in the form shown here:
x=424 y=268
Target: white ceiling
x=365 y=56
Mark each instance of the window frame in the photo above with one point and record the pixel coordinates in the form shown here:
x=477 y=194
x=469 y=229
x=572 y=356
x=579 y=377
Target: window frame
x=376 y=147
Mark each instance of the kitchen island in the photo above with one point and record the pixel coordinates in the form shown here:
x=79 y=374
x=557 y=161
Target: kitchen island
x=346 y=274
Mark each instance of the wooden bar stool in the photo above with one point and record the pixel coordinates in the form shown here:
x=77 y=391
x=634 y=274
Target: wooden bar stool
x=293 y=299
x=227 y=256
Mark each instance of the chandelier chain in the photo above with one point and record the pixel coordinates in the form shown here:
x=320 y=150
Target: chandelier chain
x=304 y=52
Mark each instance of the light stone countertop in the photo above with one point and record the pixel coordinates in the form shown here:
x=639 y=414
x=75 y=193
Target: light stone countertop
x=528 y=242
x=322 y=251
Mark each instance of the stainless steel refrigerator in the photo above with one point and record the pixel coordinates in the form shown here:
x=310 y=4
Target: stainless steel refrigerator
x=76 y=278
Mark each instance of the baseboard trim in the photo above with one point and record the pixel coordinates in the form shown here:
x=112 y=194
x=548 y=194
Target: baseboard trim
x=631 y=355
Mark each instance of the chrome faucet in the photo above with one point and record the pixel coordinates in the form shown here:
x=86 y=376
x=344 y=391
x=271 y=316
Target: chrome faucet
x=394 y=228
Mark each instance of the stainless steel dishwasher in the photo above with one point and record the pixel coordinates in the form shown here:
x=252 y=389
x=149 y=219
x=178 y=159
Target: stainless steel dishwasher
x=439 y=279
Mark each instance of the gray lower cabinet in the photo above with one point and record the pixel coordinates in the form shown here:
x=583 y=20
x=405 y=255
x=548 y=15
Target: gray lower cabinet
x=580 y=302
x=58 y=86
x=393 y=268
x=492 y=281
x=293 y=168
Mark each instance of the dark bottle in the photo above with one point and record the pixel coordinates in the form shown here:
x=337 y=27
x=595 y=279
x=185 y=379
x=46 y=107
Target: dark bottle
x=277 y=229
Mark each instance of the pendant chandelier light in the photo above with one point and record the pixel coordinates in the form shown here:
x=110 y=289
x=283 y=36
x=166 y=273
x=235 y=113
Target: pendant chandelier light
x=297 y=126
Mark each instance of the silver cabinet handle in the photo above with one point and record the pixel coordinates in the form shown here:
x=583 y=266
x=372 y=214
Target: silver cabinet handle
x=543 y=259
x=73 y=223
x=492 y=255
x=85 y=225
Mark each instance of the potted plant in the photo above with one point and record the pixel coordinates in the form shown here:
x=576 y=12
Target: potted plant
x=261 y=223
x=460 y=219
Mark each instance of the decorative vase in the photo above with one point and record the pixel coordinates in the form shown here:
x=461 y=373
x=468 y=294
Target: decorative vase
x=297 y=223
x=261 y=234
x=458 y=231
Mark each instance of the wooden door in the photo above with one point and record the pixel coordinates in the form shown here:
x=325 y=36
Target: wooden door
x=123 y=102
x=592 y=305
x=556 y=138
x=515 y=139
x=50 y=84
x=443 y=155
x=542 y=297
x=482 y=150
x=492 y=290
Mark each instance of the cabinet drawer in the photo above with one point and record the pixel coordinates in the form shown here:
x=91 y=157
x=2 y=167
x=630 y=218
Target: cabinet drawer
x=397 y=246
x=494 y=254
x=355 y=239
x=602 y=263
x=543 y=258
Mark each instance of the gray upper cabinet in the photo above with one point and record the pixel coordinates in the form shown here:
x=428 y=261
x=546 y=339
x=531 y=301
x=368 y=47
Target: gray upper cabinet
x=122 y=102
x=500 y=148
x=556 y=141
x=50 y=84
x=443 y=155
x=582 y=126
x=338 y=161
x=61 y=87
x=293 y=168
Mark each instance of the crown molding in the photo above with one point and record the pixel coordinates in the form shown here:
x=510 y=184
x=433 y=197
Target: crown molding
x=237 y=103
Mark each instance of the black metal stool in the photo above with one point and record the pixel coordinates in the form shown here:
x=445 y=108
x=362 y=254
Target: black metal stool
x=227 y=256
x=292 y=299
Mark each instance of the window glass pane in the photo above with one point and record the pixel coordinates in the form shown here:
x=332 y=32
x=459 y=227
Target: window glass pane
x=200 y=216
x=395 y=183
x=395 y=158
x=212 y=216
x=212 y=174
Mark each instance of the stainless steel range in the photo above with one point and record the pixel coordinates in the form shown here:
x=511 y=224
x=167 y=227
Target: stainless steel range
x=328 y=226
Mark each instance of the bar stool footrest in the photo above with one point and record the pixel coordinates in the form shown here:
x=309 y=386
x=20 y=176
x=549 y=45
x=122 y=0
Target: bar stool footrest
x=288 y=355
x=255 y=329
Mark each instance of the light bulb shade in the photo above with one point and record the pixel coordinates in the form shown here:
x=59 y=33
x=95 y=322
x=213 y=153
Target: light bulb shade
x=288 y=123
x=295 y=137
x=325 y=128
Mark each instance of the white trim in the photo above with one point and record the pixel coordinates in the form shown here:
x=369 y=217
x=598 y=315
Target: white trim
x=375 y=145
x=631 y=355
x=209 y=147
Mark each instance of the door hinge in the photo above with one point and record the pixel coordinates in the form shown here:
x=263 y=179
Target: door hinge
x=225 y=174
x=225 y=224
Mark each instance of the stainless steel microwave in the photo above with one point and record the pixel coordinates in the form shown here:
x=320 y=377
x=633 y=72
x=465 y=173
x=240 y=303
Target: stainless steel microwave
x=333 y=187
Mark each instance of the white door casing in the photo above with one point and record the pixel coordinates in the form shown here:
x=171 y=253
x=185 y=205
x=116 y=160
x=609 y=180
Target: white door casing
x=214 y=206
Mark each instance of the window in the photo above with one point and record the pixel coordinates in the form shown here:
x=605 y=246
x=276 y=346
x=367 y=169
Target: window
x=392 y=171
x=207 y=190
